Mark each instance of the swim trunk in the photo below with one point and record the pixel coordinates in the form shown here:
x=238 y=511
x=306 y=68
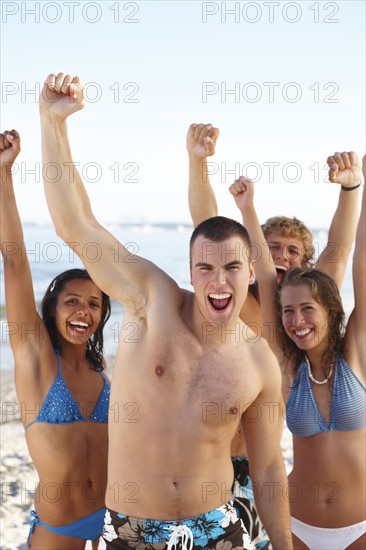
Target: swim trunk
x=323 y=538
x=88 y=528
x=243 y=501
x=219 y=528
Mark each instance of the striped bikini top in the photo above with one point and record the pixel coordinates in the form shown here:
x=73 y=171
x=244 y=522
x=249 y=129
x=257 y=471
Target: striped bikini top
x=348 y=406
x=60 y=407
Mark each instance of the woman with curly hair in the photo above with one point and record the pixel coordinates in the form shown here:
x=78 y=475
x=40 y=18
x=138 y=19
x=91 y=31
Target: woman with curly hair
x=324 y=374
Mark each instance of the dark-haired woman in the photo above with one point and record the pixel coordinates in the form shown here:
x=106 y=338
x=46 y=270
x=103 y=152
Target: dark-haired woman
x=324 y=368
x=62 y=390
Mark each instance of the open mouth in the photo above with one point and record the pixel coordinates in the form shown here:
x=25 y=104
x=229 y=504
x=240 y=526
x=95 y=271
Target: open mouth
x=301 y=334
x=221 y=301
x=281 y=272
x=79 y=326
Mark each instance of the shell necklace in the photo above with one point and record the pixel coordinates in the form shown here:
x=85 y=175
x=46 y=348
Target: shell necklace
x=311 y=374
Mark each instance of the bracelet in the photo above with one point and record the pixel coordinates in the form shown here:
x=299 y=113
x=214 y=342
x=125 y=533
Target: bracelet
x=350 y=188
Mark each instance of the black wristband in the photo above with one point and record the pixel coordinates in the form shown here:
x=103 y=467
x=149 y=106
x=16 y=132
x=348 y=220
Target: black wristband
x=350 y=188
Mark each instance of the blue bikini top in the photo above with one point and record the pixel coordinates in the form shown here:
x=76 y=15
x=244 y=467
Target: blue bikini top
x=59 y=406
x=348 y=406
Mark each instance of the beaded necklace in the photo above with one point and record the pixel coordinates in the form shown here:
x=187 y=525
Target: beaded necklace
x=320 y=382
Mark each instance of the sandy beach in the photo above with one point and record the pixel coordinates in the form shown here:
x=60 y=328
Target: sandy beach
x=19 y=478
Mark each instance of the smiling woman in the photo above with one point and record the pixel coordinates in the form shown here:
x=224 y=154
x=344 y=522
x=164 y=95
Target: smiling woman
x=74 y=295
x=326 y=405
x=323 y=363
x=311 y=309
x=60 y=383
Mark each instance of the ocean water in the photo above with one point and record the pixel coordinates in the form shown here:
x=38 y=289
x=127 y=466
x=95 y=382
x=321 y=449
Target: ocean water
x=167 y=246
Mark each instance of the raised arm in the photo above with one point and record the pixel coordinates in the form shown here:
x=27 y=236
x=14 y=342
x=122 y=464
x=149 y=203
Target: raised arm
x=344 y=169
x=201 y=142
x=243 y=191
x=117 y=272
x=356 y=327
x=24 y=322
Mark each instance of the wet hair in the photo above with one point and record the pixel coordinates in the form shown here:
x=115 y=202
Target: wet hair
x=94 y=346
x=325 y=292
x=219 y=229
x=292 y=227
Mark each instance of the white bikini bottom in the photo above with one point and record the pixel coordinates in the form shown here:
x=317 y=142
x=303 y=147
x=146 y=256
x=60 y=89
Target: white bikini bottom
x=322 y=538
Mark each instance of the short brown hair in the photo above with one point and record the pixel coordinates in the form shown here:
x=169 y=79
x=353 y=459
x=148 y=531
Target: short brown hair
x=219 y=229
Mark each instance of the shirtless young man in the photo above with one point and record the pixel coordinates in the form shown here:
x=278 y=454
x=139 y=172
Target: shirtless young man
x=290 y=243
x=190 y=377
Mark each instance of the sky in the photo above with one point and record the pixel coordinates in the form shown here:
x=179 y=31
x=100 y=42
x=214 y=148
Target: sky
x=284 y=82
